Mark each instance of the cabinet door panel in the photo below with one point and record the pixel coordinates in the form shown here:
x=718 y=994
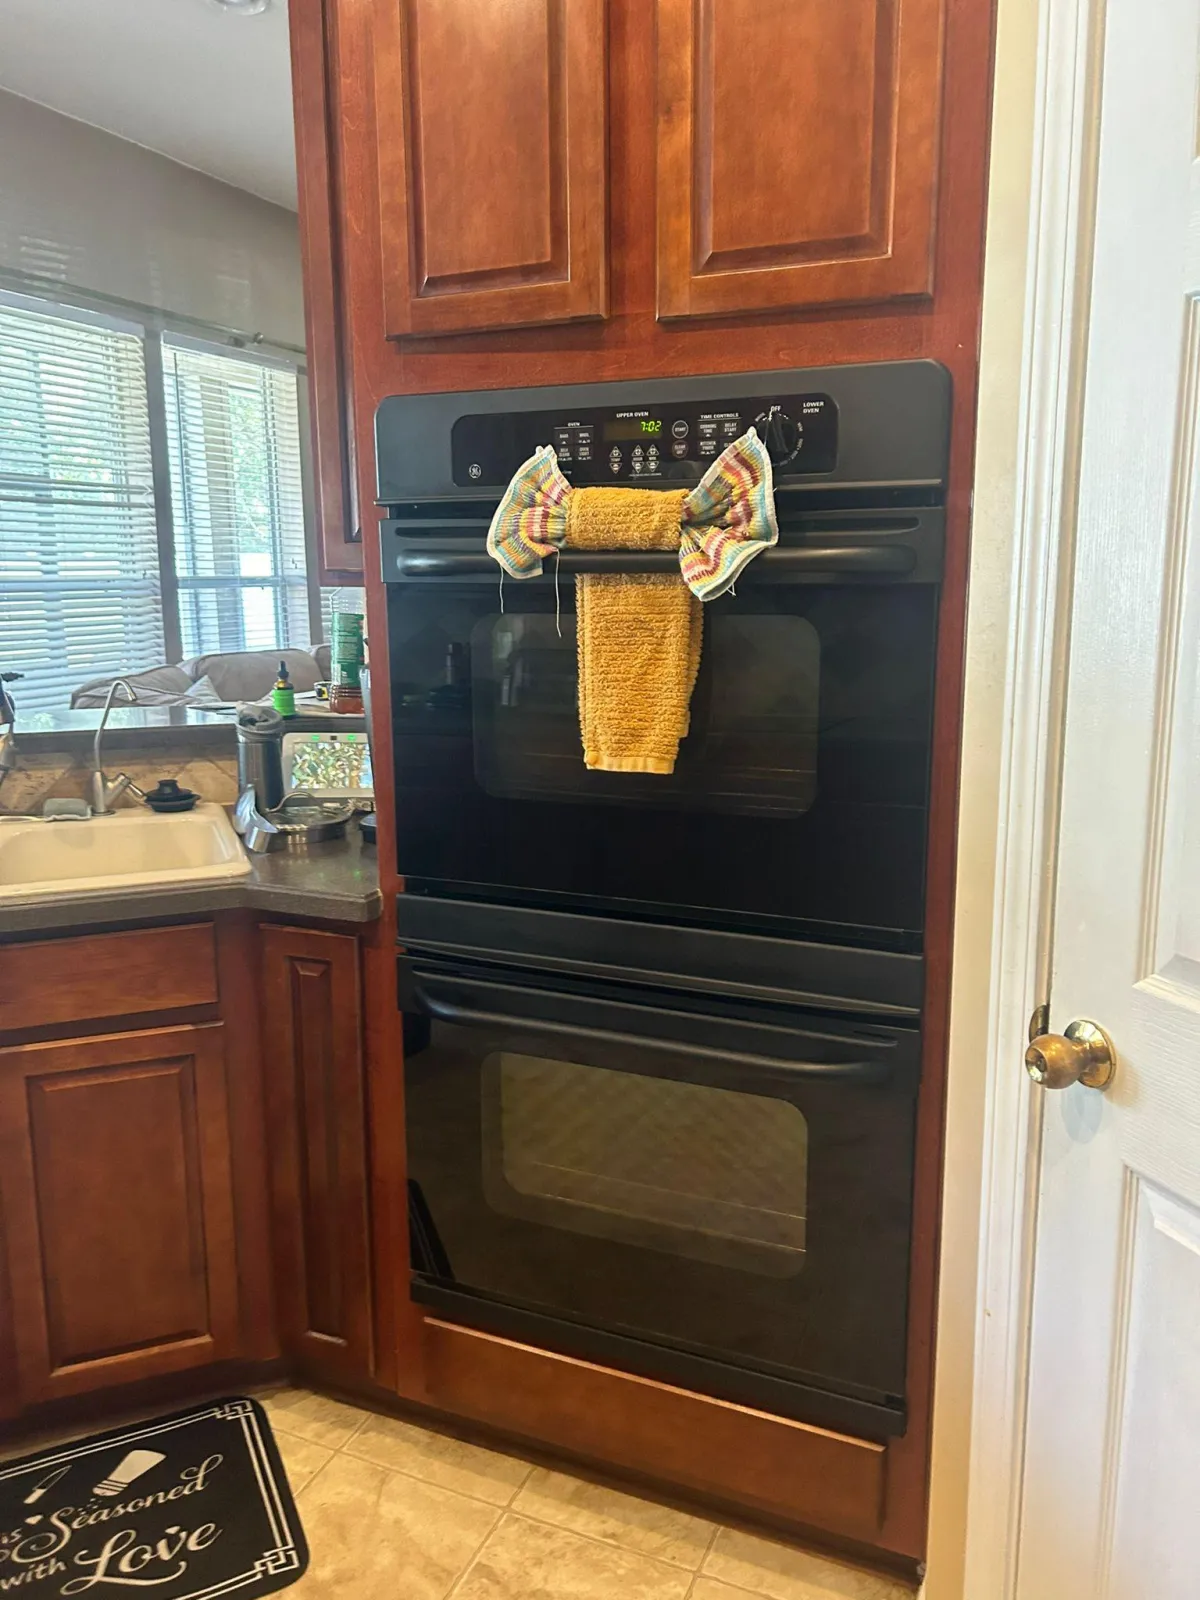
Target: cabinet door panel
x=492 y=158
x=809 y=180
x=312 y=1050
x=118 y=1207
x=312 y=27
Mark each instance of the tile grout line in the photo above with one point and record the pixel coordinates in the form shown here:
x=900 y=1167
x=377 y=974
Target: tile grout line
x=501 y=1513
x=610 y=1544
x=311 y=1480
x=605 y=1544
x=510 y=1506
x=415 y=1477
x=709 y=1547
x=532 y=1516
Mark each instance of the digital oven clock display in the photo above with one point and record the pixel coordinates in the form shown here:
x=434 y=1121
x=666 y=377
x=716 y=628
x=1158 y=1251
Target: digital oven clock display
x=633 y=428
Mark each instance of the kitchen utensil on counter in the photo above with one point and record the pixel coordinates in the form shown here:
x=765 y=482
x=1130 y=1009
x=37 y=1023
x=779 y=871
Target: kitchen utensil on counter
x=260 y=732
x=300 y=821
x=168 y=796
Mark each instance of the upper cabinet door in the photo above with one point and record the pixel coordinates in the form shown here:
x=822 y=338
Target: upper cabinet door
x=492 y=162
x=797 y=152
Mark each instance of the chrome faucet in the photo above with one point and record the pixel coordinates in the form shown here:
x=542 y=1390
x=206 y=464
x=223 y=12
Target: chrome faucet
x=104 y=791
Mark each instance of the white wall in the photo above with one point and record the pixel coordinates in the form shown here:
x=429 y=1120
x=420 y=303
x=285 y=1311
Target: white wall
x=993 y=533
x=90 y=211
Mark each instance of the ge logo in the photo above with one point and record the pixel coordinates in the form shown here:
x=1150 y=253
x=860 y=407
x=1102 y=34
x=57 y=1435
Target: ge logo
x=474 y=470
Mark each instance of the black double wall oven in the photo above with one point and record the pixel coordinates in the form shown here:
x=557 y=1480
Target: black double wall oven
x=662 y=1034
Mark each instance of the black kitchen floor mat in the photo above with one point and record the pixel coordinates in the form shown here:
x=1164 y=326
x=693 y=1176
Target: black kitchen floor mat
x=182 y=1508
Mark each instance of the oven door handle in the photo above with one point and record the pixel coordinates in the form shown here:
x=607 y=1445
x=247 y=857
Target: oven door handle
x=467 y=1016
x=867 y=560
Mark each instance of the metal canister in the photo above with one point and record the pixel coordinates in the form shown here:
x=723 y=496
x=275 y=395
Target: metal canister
x=260 y=731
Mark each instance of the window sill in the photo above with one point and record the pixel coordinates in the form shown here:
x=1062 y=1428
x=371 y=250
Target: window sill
x=151 y=728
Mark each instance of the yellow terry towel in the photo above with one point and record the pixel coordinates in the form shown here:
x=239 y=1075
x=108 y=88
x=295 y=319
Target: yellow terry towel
x=638 y=634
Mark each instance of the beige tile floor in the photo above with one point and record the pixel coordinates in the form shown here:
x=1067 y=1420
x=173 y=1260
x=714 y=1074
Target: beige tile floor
x=393 y=1511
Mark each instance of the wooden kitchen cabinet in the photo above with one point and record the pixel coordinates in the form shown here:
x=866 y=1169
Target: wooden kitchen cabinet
x=316 y=1116
x=794 y=160
x=492 y=162
x=797 y=153
x=116 y=1191
x=322 y=253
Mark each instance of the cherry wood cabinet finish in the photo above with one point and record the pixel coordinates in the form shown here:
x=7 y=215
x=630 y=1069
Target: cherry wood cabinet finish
x=57 y=982
x=492 y=162
x=712 y=1446
x=398 y=1320
x=238 y=975
x=797 y=152
x=335 y=490
x=313 y=1067
x=634 y=341
x=117 y=1198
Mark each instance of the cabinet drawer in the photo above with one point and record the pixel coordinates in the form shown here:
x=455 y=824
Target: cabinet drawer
x=60 y=981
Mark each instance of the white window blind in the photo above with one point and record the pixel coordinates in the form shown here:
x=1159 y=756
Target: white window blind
x=237 y=502
x=79 y=584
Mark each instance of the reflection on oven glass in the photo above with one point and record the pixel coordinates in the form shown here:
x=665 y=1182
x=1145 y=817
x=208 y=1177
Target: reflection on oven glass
x=751 y=749
x=672 y=1165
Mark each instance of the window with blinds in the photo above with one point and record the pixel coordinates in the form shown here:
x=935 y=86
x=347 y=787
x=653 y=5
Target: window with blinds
x=237 y=503
x=79 y=573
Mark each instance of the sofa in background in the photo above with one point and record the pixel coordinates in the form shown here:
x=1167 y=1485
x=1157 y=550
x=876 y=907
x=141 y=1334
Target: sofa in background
x=234 y=676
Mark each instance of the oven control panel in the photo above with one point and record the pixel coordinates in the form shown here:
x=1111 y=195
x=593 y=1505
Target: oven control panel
x=655 y=446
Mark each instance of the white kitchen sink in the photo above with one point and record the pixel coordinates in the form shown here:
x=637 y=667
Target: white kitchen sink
x=120 y=854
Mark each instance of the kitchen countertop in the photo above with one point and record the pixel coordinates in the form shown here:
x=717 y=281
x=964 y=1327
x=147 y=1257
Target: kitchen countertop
x=150 y=727
x=337 y=881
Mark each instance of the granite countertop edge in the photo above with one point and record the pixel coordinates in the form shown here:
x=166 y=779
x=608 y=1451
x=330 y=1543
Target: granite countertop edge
x=335 y=882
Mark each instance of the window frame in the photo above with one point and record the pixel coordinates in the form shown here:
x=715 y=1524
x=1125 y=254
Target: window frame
x=154 y=328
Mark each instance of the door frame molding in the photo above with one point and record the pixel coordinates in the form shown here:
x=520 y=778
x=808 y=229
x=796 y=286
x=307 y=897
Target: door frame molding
x=1050 y=395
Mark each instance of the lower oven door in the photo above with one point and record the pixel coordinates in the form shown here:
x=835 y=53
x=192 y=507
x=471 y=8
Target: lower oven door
x=717 y=1194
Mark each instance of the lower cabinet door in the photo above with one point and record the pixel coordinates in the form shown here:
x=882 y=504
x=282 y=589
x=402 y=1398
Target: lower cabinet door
x=316 y=1130
x=117 y=1209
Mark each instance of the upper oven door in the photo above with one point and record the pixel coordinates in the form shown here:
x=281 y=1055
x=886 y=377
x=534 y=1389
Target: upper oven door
x=798 y=803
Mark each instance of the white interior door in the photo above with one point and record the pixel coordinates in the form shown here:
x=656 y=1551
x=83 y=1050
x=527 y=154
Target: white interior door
x=1111 y=1499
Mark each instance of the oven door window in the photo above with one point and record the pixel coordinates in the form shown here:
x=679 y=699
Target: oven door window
x=688 y=1169
x=751 y=749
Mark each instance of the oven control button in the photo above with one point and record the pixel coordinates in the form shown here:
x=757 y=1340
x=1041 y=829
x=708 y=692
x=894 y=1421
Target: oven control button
x=679 y=448
x=730 y=428
x=781 y=435
x=652 y=459
x=708 y=447
x=614 y=459
x=708 y=430
x=679 y=428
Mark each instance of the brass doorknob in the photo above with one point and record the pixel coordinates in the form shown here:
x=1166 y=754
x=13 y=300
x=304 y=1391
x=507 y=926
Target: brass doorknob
x=1084 y=1054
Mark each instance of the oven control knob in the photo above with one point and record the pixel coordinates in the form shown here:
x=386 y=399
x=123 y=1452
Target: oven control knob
x=781 y=435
